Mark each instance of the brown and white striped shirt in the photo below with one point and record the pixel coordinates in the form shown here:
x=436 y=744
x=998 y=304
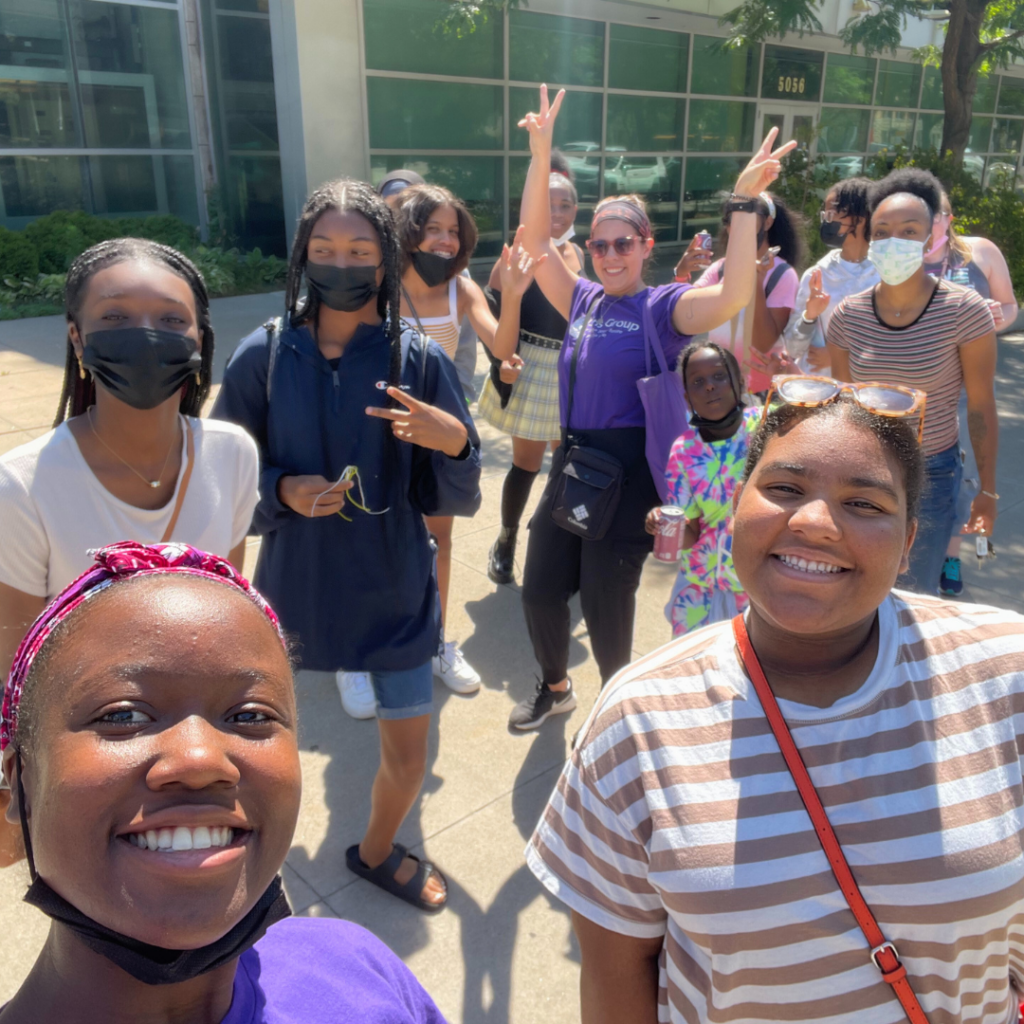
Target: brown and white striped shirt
x=924 y=354
x=677 y=817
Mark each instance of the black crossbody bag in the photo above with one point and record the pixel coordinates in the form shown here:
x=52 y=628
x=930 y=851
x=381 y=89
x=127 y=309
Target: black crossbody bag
x=589 y=483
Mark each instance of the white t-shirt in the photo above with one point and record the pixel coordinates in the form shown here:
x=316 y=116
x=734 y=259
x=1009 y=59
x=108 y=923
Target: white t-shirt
x=676 y=817
x=53 y=509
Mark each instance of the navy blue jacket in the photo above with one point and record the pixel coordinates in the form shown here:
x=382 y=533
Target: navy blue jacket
x=360 y=595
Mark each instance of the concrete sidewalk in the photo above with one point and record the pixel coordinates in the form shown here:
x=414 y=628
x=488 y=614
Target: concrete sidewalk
x=503 y=950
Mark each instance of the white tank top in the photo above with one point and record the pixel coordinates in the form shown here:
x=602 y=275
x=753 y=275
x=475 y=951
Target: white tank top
x=445 y=329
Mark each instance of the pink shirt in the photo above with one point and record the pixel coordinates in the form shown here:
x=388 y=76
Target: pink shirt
x=730 y=334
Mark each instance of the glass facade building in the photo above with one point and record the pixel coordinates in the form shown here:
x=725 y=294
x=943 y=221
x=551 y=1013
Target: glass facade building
x=670 y=115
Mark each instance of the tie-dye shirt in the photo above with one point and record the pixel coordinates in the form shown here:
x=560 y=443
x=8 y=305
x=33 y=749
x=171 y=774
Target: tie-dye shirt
x=702 y=478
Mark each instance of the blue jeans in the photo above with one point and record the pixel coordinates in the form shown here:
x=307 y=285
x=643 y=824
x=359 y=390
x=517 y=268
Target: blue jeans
x=942 y=473
x=405 y=693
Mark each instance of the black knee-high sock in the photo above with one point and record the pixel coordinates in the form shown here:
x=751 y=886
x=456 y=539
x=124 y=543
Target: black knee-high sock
x=514 y=496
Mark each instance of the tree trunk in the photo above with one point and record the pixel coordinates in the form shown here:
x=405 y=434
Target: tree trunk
x=960 y=59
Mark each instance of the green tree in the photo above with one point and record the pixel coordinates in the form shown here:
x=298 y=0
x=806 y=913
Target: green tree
x=980 y=35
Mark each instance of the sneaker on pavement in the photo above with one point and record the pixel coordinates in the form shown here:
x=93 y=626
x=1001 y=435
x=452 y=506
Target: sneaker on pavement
x=454 y=671
x=356 y=694
x=540 y=706
x=951 y=582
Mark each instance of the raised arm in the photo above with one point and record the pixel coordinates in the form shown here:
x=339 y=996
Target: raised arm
x=516 y=271
x=556 y=280
x=473 y=304
x=702 y=309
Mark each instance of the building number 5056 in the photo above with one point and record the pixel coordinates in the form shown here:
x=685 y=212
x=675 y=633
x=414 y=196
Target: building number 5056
x=788 y=84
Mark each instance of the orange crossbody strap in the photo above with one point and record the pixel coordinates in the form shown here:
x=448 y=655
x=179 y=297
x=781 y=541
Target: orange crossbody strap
x=190 y=449
x=883 y=953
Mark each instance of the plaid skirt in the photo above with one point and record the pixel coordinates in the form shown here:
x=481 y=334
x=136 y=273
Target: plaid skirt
x=533 y=411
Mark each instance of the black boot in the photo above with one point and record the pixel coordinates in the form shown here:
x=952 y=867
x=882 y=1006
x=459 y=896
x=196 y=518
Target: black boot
x=500 y=562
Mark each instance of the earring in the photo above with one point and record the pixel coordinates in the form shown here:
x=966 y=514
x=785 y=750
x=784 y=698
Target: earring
x=199 y=380
x=81 y=369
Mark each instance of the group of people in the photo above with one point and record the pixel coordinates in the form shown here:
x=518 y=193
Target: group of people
x=148 y=721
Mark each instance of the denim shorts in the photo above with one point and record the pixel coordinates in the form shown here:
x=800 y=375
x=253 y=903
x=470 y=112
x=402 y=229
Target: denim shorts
x=405 y=693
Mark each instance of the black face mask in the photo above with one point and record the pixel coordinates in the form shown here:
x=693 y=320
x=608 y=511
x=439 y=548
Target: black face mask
x=344 y=289
x=832 y=234
x=727 y=422
x=139 y=365
x=152 y=965
x=432 y=268
x=761 y=236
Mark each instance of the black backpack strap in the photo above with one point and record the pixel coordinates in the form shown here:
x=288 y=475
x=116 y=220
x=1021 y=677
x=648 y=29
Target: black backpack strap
x=273 y=329
x=775 y=278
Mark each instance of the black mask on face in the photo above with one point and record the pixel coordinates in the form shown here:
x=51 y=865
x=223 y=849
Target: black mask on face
x=432 y=268
x=139 y=365
x=832 y=234
x=344 y=289
x=152 y=965
x=726 y=423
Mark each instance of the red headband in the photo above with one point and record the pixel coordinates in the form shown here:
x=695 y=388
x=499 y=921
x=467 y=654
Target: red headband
x=622 y=209
x=113 y=563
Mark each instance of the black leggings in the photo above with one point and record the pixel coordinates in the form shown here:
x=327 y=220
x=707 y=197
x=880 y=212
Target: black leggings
x=606 y=573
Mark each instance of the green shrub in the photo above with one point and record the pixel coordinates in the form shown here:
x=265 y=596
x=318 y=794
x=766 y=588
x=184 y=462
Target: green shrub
x=33 y=262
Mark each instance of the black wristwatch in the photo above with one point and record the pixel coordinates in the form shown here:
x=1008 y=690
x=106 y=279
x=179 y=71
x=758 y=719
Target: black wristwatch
x=741 y=204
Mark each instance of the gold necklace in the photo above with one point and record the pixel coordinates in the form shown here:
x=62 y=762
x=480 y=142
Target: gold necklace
x=150 y=483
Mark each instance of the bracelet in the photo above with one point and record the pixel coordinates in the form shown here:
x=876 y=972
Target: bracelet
x=741 y=204
x=803 y=316
x=989 y=494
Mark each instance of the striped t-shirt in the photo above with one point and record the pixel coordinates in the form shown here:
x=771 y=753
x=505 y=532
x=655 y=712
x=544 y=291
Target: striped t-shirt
x=677 y=817
x=924 y=354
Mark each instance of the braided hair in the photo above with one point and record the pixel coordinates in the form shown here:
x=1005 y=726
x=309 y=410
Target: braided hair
x=346 y=195
x=79 y=392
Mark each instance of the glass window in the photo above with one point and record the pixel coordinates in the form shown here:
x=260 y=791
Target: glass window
x=36 y=185
x=708 y=181
x=258 y=214
x=718 y=126
x=247 y=82
x=928 y=131
x=475 y=179
x=1006 y=136
x=36 y=113
x=981 y=130
x=849 y=79
x=403 y=35
x=1011 y=96
x=985 y=95
x=723 y=72
x=180 y=180
x=644 y=123
x=132 y=81
x=646 y=58
x=931 y=92
x=1000 y=174
x=587 y=171
x=791 y=74
x=253 y=6
x=843 y=131
x=549 y=48
x=141 y=185
x=898 y=83
x=657 y=179
x=416 y=114
x=578 y=124
x=889 y=129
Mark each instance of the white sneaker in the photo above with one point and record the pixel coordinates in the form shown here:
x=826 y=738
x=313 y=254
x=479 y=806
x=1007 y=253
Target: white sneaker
x=454 y=671
x=356 y=694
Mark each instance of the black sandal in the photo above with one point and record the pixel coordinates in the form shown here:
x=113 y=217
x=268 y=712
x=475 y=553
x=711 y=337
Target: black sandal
x=383 y=876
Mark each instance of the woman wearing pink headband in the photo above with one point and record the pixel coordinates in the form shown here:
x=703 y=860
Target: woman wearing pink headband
x=149 y=733
x=604 y=356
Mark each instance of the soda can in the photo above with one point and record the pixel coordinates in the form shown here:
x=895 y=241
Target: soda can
x=668 y=541
x=706 y=241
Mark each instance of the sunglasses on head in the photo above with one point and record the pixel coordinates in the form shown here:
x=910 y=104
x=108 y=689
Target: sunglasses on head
x=599 y=247
x=809 y=392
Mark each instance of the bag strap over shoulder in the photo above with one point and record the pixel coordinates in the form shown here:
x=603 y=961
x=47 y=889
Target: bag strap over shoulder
x=190 y=454
x=652 y=341
x=273 y=329
x=576 y=356
x=883 y=953
x=775 y=277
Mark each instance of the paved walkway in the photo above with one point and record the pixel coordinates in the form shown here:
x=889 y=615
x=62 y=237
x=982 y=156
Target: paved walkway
x=503 y=950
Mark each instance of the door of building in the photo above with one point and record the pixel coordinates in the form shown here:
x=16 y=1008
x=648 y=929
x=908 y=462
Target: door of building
x=793 y=121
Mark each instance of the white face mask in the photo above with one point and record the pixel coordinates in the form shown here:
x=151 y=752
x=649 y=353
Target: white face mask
x=896 y=259
x=571 y=233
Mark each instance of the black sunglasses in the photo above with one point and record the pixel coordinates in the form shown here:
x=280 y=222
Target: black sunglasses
x=599 y=247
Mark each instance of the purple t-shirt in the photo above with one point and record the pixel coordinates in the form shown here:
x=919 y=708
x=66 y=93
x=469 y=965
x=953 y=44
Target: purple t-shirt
x=612 y=357
x=328 y=971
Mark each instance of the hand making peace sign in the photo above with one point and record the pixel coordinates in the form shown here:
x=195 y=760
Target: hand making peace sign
x=818 y=299
x=422 y=424
x=763 y=168
x=542 y=126
x=517 y=268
